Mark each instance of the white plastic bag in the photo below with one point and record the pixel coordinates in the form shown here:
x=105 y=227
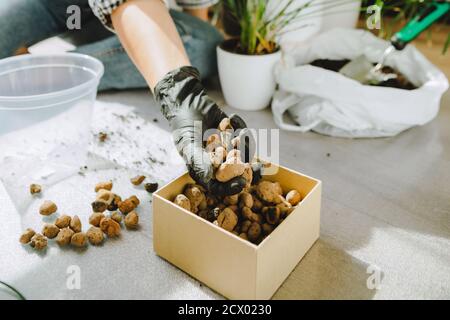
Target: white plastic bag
x=330 y=103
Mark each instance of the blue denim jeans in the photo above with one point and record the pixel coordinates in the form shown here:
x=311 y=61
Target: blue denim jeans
x=26 y=22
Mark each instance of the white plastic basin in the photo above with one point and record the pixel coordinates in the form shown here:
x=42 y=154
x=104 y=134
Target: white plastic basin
x=45 y=113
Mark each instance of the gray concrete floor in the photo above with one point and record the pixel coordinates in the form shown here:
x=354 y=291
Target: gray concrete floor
x=385 y=210
x=386 y=207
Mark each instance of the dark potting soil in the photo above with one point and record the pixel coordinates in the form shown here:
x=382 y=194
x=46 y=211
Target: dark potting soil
x=400 y=82
x=234 y=46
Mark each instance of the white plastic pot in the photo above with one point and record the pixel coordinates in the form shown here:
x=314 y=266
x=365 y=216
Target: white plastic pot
x=248 y=82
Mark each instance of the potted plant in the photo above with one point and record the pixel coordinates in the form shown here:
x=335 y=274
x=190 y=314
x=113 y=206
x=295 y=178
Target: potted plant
x=246 y=62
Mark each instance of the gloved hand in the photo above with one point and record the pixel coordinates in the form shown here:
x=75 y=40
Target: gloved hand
x=190 y=113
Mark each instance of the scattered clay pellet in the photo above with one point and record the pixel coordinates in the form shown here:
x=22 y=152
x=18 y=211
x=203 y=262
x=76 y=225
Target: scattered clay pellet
x=48 y=208
x=114 y=205
x=27 y=235
x=95 y=236
x=99 y=206
x=110 y=227
x=63 y=221
x=227 y=219
x=151 y=187
x=254 y=232
x=38 y=242
x=75 y=224
x=117 y=217
x=293 y=197
x=135 y=200
x=64 y=236
x=35 y=188
x=102 y=136
x=106 y=185
x=105 y=196
x=132 y=220
x=95 y=218
x=79 y=240
x=137 y=180
x=50 y=230
x=127 y=206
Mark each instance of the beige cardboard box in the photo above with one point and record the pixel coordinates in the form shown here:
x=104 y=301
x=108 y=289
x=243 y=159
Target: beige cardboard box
x=226 y=263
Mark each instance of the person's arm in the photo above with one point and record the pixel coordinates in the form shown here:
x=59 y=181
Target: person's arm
x=148 y=34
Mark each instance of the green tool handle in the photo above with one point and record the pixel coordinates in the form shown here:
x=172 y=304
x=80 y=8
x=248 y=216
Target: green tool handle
x=433 y=12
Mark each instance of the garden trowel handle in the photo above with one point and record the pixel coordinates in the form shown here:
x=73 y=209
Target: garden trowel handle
x=420 y=23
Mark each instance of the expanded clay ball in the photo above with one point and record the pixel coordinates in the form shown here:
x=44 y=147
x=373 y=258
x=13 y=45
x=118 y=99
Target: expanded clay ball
x=254 y=232
x=269 y=191
x=105 y=196
x=127 y=206
x=75 y=224
x=27 y=235
x=64 y=236
x=248 y=175
x=114 y=205
x=272 y=215
x=50 y=230
x=35 y=188
x=110 y=227
x=106 y=185
x=225 y=124
x=293 y=197
x=137 y=180
x=132 y=220
x=196 y=197
x=182 y=201
x=151 y=187
x=99 y=206
x=245 y=200
x=79 y=240
x=229 y=169
x=135 y=200
x=267 y=228
x=95 y=218
x=245 y=225
x=248 y=214
x=95 y=235
x=243 y=236
x=48 y=208
x=117 y=217
x=38 y=242
x=285 y=207
x=227 y=219
x=231 y=200
x=63 y=221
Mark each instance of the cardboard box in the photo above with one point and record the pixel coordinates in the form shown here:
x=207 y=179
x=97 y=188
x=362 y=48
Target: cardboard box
x=226 y=263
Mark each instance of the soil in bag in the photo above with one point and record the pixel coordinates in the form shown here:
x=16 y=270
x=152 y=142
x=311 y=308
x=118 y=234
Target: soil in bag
x=400 y=82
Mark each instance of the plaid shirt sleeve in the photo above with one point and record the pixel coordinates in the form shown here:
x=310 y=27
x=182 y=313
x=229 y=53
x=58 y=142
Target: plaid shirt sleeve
x=104 y=8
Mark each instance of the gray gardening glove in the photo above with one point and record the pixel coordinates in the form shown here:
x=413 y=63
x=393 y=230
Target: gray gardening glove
x=184 y=103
